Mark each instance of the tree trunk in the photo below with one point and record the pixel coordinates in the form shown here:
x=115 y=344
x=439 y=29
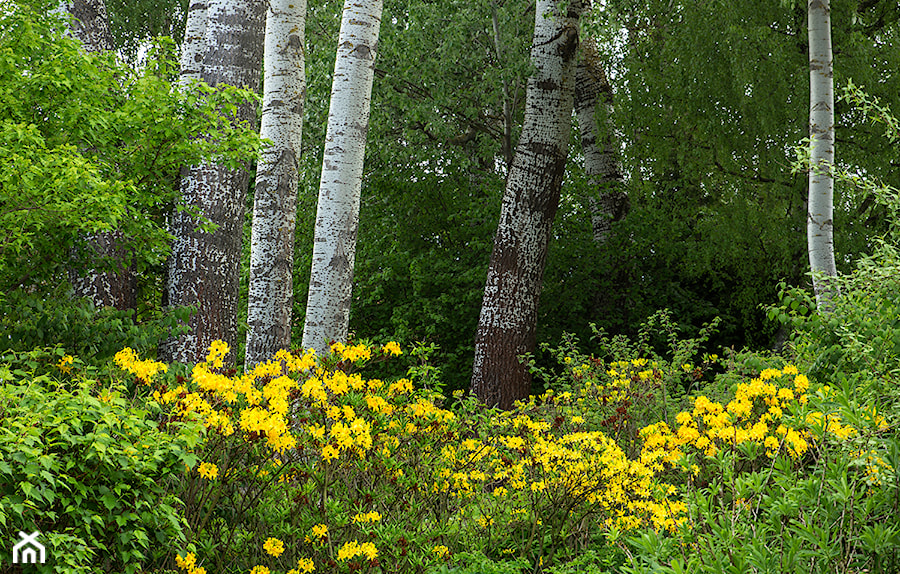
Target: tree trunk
x=116 y=287
x=90 y=23
x=204 y=266
x=506 y=327
x=193 y=49
x=337 y=215
x=275 y=198
x=820 y=224
x=593 y=106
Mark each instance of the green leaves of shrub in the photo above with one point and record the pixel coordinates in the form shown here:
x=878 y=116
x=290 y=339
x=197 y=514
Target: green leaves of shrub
x=88 y=470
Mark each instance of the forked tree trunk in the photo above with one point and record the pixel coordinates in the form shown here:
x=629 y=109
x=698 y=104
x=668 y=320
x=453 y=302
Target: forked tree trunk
x=204 y=266
x=337 y=215
x=593 y=106
x=275 y=197
x=506 y=327
x=820 y=223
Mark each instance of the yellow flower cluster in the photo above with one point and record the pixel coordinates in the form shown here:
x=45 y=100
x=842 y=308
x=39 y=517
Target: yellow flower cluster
x=127 y=360
x=189 y=564
x=65 y=363
x=208 y=470
x=304 y=565
x=527 y=456
x=353 y=549
x=352 y=353
x=755 y=415
x=273 y=547
x=222 y=402
x=361 y=518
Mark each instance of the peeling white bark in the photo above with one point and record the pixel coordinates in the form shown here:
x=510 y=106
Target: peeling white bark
x=337 y=215
x=204 y=267
x=820 y=223
x=275 y=197
x=506 y=327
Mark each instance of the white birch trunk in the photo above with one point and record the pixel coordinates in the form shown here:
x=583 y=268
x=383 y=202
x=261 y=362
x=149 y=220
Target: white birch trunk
x=337 y=215
x=820 y=224
x=193 y=48
x=506 y=327
x=275 y=197
x=204 y=267
x=593 y=107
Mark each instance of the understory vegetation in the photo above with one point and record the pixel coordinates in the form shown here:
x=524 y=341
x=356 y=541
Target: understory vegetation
x=631 y=459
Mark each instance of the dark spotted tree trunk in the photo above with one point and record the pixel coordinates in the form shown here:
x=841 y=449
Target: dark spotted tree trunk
x=506 y=326
x=204 y=267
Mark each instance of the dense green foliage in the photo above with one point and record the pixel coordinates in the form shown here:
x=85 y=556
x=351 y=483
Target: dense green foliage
x=90 y=145
x=84 y=464
x=710 y=103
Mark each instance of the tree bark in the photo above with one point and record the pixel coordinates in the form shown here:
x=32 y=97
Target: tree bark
x=275 y=197
x=116 y=287
x=90 y=24
x=337 y=214
x=204 y=267
x=506 y=326
x=193 y=48
x=593 y=106
x=820 y=223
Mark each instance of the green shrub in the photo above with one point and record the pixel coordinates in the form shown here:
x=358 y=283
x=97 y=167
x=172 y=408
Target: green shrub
x=88 y=470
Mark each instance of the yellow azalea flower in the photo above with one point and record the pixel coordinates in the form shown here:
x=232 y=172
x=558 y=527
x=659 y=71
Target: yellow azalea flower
x=319 y=531
x=317 y=431
x=260 y=570
x=441 y=550
x=208 y=470
x=274 y=547
x=367 y=517
x=329 y=452
x=349 y=550
x=217 y=351
x=65 y=363
x=368 y=550
x=305 y=565
x=392 y=348
x=188 y=562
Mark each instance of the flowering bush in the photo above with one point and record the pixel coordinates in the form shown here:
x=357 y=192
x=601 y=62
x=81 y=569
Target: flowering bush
x=309 y=465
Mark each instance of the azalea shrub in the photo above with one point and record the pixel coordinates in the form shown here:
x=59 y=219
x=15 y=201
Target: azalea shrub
x=316 y=464
x=308 y=465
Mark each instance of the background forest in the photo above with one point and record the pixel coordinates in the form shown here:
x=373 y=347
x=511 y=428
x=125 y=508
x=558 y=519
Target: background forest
x=709 y=101
x=692 y=410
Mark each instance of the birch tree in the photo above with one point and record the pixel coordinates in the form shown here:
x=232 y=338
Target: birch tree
x=275 y=196
x=593 y=106
x=820 y=207
x=337 y=213
x=506 y=327
x=204 y=266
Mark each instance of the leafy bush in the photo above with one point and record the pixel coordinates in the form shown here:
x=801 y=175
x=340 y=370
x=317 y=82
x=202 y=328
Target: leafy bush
x=81 y=464
x=35 y=320
x=309 y=465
